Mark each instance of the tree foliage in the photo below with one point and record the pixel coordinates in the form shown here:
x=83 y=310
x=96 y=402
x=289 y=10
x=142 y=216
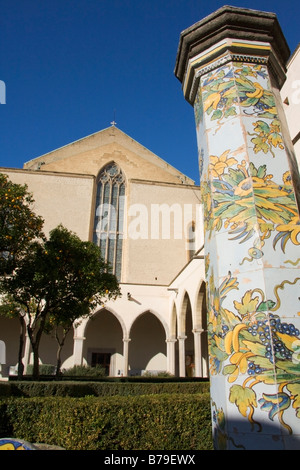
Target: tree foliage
x=18 y=223
x=58 y=281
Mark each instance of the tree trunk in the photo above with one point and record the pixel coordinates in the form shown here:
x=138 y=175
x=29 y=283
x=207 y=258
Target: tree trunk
x=59 y=349
x=58 y=360
x=35 y=343
x=21 y=347
x=35 y=350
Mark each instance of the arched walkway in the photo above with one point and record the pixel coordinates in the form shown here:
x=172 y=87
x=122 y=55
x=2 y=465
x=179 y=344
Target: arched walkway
x=147 y=350
x=185 y=339
x=103 y=343
x=9 y=334
x=48 y=349
x=192 y=346
x=200 y=333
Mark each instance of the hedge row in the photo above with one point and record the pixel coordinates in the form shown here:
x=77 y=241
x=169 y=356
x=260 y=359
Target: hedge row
x=81 y=389
x=148 y=422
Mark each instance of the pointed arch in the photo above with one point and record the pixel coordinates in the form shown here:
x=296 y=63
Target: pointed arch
x=109 y=215
x=104 y=333
x=201 y=328
x=200 y=307
x=153 y=312
x=186 y=338
x=148 y=347
x=114 y=313
x=184 y=310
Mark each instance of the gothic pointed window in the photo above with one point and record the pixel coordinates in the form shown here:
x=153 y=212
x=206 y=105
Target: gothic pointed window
x=109 y=216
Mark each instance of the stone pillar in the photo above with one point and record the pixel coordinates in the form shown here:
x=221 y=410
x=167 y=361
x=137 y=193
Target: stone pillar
x=198 y=355
x=78 y=350
x=181 y=351
x=126 y=355
x=27 y=349
x=2 y=359
x=171 y=355
x=232 y=65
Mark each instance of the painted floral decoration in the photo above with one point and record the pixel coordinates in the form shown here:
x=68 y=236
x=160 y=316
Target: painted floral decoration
x=251 y=342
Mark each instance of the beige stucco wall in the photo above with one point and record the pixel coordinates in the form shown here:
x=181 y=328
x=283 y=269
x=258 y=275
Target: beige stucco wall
x=152 y=254
x=59 y=198
x=158 y=216
x=90 y=154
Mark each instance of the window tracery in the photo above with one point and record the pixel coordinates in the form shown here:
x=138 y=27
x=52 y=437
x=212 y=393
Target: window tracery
x=109 y=215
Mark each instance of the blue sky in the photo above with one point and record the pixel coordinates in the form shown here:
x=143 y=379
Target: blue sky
x=72 y=66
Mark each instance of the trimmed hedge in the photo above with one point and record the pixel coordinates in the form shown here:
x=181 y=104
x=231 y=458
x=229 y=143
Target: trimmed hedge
x=145 y=422
x=94 y=388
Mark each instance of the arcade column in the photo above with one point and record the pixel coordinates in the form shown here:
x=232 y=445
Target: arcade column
x=232 y=66
x=125 y=355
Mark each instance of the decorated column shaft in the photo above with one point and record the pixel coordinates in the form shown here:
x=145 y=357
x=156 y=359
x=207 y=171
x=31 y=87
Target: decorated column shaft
x=232 y=65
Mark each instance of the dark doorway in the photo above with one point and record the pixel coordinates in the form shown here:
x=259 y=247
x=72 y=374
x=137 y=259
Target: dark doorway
x=101 y=358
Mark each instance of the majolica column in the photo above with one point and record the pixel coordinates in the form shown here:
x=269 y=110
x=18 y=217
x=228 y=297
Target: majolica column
x=232 y=65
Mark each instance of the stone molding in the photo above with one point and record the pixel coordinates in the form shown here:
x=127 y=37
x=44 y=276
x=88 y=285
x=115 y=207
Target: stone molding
x=198 y=72
x=246 y=27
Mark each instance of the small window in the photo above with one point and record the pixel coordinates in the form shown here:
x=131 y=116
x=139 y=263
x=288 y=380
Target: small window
x=191 y=240
x=109 y=216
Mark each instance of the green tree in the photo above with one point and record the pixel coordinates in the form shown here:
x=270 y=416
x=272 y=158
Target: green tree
x=58 y=281
x=18 y=223
x=11 y=309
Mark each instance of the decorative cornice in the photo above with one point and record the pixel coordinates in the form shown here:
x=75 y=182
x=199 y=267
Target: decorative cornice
x=226 y=51
x=245 y=34
x=226 y=58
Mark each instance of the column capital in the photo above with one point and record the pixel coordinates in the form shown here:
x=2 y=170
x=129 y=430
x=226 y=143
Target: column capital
x=230 y=33
x=181 y=337
x=197 y=330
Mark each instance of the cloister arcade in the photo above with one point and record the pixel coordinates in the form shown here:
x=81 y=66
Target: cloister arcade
x=150 y=342
x=171 y=338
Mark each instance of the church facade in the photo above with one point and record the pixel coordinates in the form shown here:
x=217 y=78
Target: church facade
x=146 y=216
